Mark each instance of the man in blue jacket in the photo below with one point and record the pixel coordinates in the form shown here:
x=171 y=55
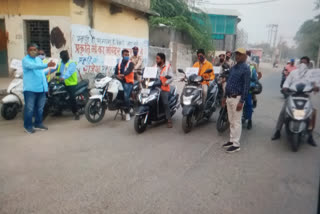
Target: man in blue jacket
x=35 y=87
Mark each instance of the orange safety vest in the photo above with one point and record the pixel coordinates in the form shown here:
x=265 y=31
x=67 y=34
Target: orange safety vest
x=130 y=77
x=164 y=80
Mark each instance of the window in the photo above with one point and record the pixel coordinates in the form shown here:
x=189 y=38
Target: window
x=38 y=32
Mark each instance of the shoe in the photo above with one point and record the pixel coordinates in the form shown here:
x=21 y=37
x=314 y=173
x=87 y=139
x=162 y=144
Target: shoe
x=128 y=117
x=276 y=135
x=233 y=149
x=40 y=128
x=227 y=145
x=29 y=131
x=169 y=124
x=311 y=141
x=76 y=116
x=249 y=126
x=254 y=104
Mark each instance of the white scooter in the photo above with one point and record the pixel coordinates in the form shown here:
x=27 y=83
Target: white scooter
x=14 y=101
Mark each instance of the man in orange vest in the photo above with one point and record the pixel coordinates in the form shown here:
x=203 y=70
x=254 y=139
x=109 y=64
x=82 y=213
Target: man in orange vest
x=165 y=75
x=124 y=71
x=204 y=65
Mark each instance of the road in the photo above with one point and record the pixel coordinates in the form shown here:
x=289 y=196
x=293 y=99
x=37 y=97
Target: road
x=77 y=167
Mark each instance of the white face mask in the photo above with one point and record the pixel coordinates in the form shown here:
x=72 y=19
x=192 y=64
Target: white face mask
x=42 y=57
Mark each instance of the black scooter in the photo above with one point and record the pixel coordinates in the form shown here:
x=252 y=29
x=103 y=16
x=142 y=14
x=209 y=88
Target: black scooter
x=194 y=109
x=150 y=105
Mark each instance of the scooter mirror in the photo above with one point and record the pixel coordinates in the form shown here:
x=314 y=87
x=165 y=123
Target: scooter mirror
x=208 y=71
x=180 y=71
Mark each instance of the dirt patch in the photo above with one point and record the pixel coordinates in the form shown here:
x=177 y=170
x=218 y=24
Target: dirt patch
x=57 y=38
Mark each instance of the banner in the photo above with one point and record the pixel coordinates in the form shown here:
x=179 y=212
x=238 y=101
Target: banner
x=97 y=52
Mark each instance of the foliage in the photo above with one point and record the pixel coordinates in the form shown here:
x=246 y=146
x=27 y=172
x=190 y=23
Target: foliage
x=176 y=14
x=308 y=38
x=317 y=4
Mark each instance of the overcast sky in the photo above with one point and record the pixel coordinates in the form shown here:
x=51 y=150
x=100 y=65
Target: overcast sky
x=289 y=14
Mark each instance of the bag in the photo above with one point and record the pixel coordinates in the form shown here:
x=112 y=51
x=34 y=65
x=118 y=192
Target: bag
x=257 y=89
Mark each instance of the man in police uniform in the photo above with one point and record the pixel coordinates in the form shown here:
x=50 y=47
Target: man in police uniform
x=67 y=69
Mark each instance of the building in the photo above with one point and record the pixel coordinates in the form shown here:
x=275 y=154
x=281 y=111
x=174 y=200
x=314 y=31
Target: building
x=242 y=39
x=94 y=31
x=224 y=27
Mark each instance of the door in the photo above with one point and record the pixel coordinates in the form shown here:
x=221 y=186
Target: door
x=3 y=50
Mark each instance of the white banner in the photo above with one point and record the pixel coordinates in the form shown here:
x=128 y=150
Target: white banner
x=97 y=52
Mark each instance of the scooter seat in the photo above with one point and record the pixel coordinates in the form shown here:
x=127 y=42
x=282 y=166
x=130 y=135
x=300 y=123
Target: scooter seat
x=83 y=83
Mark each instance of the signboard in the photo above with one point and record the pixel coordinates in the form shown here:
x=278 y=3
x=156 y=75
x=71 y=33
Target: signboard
x=190 y=71
x=97 y=52
x=150 y=72
x=217 y=69
x=315 y=76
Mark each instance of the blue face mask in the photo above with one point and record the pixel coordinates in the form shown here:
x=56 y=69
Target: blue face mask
x=126 y=58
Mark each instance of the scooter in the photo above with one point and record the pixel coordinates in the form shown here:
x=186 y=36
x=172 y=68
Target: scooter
x=223 y=121
x=107 y=94
x=58 y=98
x=14 y=101
x=193 y=108
x=150 y=105
x=299 y=110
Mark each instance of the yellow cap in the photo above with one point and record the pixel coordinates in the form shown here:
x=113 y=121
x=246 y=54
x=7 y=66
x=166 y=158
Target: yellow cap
x=241 y=50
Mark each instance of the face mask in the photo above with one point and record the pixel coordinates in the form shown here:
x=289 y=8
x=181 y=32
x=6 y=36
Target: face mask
x=159 y=64
x=126 y=58
x=42 y=57
x=201 y=58
x=33 y=53
x=135 y=53
x=65 y=59
x=227 y=57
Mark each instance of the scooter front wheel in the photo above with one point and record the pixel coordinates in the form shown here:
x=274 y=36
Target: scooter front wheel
x=140 y=124
x=295 y=141
x=94 y=111
x=223 y=121
x=187 y=123
x=9 y=111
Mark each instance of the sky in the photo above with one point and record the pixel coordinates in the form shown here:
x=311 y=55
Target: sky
x=289 y=14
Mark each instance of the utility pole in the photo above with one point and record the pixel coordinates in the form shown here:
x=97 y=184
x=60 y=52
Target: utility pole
x=318 y=61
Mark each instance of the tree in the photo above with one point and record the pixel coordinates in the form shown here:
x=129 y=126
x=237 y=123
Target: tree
x=308 y=38
x=177 y=14
x=317 y=4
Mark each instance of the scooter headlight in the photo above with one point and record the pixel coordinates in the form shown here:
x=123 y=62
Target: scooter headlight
x=145 y=100
x=299 y=114
x=187 y=100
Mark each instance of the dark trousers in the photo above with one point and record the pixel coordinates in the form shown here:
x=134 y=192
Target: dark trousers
x=248 y=108
x=73 y=102
x=127 y=89
x=164 y=95
x=34 y=104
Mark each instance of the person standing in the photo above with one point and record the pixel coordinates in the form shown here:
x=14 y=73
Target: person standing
x=34 y=89
x=67 y=73
x=221 y=61
x=166 y=77
x=137 y=61
x=236 y=93
x=204 y=65
x=229 y=61
x=124 y=71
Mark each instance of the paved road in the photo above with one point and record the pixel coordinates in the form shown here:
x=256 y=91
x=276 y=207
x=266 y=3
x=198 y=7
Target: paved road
x=76 y=167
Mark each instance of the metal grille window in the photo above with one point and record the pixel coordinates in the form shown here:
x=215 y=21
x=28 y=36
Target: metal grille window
x=38 y=32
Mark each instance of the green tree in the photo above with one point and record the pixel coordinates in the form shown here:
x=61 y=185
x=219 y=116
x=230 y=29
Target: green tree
x=308 y=38
x=177 y=14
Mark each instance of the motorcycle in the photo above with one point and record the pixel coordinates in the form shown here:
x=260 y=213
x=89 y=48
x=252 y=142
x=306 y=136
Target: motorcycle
x=150 y=105
x=59 y=99
x=107 y=94
x=14 y=101
x=193 y=108
x=298 y=113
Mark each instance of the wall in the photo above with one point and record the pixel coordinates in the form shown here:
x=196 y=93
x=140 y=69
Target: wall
x=177 y=42
x=127 y=22
x=153 y=50
x=16 y=11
